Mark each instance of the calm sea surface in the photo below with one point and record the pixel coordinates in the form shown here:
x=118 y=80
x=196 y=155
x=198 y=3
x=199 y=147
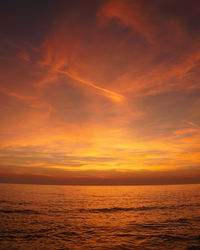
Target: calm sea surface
x=92 y=217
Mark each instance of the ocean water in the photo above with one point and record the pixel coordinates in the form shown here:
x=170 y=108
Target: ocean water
x=99 y=217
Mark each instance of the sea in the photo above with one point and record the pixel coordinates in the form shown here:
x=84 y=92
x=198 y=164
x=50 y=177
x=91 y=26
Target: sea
x=99 y=217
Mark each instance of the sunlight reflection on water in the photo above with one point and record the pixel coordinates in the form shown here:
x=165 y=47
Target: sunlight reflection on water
x=93 y=217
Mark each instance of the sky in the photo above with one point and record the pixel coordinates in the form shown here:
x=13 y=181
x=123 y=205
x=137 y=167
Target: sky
x=102 y=92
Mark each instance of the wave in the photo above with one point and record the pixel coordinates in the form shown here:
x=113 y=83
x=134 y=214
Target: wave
x=3 y=201
x=103 y=210
x=15 y=203
x=123 y=209
x=22 y=211
x=143 y=208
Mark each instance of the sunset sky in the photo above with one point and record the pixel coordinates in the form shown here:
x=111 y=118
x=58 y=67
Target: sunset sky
x=100 y=92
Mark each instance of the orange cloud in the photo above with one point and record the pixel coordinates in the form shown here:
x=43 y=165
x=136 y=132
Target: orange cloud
x=129 y=13
x=112 y=95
